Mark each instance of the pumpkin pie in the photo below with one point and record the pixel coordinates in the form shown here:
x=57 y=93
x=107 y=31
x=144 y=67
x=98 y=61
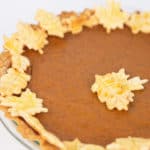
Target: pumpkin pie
x=56 y=75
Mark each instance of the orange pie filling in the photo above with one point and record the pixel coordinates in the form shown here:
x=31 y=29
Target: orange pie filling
x=63 y=75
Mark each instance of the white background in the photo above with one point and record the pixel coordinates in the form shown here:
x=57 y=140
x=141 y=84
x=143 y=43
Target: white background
x=12 y=11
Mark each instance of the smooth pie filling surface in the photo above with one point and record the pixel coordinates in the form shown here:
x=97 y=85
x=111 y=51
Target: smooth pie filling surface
x=63 y=75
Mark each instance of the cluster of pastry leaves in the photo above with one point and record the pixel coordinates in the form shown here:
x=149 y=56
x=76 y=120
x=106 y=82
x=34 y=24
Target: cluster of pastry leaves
x=120 y=144
x=115 y=89
x=77 y=145
x=65 y=22
x=15 y=80
x=27 y=35
x=50 y=23
x=26 y=103
x=74 y=22
x=111 y=17
x=32 y=36
x=139 y=22
x=129 y=144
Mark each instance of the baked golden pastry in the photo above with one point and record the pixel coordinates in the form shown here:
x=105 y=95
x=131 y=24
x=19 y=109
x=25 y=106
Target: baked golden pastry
x=49 y=95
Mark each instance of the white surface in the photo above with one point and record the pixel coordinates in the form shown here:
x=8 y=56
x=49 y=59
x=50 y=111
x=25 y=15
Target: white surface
x=15 y=135
x=7 y=142
x=11 y=11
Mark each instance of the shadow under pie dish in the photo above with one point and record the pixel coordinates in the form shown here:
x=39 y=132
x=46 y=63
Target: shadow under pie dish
x=74 y=48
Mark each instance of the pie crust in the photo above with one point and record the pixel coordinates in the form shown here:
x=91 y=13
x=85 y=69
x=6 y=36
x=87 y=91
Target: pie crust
x=35 y=37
